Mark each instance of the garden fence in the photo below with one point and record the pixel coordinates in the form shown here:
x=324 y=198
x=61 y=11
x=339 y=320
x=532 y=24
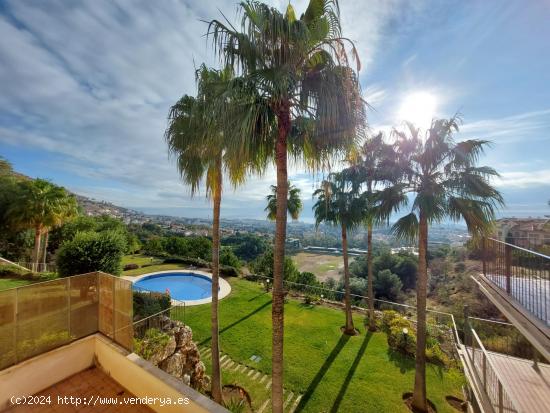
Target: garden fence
x=435 y=320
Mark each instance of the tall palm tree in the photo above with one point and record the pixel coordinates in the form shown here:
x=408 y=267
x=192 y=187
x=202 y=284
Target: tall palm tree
x=197 y=139
x=374 y=170
x=38 y=205
x=294 y=202
x=339 y=203
x=445 y=181
x=295 y=93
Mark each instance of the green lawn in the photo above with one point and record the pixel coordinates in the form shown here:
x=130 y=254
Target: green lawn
x=141 y=259
x=6 y=283
x=334 y=372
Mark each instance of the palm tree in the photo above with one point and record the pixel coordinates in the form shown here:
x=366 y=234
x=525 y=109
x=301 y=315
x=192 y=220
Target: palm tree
x=196 y=138
x=295 y=93
x=445 y=182
x=39 y=204
x=374 y=169
x=294 y=202
x=339 y=203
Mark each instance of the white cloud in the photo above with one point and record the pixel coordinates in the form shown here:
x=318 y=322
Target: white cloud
x=511 y=128
x=523 y=179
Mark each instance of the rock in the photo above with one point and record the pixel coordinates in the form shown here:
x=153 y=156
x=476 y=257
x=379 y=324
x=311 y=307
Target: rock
x=180 y=357
x=166 y=352
x=174 y=364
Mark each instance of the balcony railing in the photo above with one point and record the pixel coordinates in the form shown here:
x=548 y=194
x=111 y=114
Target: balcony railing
x=487 y=374
x=522 y=274
x=37 y=318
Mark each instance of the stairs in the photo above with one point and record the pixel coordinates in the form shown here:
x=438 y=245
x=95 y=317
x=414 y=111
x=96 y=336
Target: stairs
x=291 y=399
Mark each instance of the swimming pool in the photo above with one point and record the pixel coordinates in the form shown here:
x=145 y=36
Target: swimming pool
x=191 y=287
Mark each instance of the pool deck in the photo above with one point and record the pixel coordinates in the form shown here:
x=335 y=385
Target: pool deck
x=225 y=288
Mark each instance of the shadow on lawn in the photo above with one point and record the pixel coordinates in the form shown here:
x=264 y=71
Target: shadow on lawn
x=404 y=362
x=240 y=320
x=351 y=372
x=322 y=371
x=407 y=363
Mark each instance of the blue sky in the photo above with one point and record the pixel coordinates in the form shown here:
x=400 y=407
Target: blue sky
x=86 y=88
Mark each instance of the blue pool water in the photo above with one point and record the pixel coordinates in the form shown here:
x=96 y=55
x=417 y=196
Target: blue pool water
x=181 y=285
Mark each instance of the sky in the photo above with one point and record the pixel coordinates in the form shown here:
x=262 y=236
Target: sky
x=86 y=88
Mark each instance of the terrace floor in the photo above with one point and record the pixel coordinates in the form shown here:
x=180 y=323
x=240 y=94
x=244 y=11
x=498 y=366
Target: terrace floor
x=92 y=385
x=528 y=388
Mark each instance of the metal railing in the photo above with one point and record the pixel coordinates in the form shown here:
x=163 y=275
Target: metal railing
x=504 y=338
x=435 y=320
x=520 y=273
x=176 y=310
x=486 y=373
x=158 y=320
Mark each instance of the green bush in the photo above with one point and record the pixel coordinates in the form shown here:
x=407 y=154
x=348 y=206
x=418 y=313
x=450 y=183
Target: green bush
x=148 y=303
x=228 y=258
x=92 y=251
x=13 y=271
x=198 y=262
x=310 y=299
x=387 y=318
x=153 y=342
x=228 y=271
x=9 y=270
x=398 y=340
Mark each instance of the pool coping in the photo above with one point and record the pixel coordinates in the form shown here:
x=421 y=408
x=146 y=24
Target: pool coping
x=225 y=287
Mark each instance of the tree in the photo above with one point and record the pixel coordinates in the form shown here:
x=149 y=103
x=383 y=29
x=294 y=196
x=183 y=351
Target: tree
x=92 y=251
x=198 y=139
x=339 y=203
x=294 y=203
x=387 y=285
x=40 y=205
x=374 y=169
x=263 y=265
x=228 y=257
x=443 y=178
x=295 y=93
x=246 y=246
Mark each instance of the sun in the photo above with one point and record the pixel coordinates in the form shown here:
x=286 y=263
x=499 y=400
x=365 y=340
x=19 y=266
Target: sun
x=418 y=108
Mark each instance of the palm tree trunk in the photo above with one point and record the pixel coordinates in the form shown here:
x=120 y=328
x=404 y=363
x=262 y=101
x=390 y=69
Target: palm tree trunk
x=45 y=249
x=419 y=402
x=370 y=287
x=216 y=387
x=36 y=251
x=349 y=328
x=277 y=309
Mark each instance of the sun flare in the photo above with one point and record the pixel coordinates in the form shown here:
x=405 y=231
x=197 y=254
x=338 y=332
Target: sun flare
x=418 y=108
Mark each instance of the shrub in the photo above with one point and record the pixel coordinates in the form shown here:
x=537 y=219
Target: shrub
x=9 y=270
x=13 y=271
x=387 y=317
x=398 y=340
x=228 y=271
x=228 y=258
x=148 y=303
x=153 y=342
x=198 y=262
x=92 y=251
x=311 y=299
x=129 y=267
